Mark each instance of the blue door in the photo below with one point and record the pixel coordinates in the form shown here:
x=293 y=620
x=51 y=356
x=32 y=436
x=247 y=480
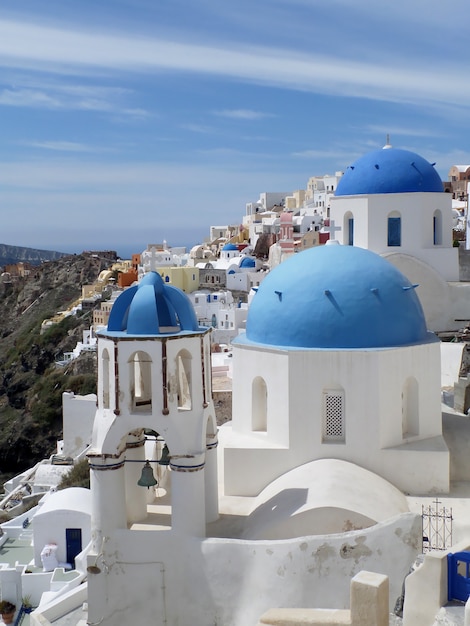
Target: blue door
x=73 y=540
x=458 y=576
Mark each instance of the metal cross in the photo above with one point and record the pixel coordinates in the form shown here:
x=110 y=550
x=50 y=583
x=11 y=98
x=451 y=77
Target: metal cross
x=332 y=229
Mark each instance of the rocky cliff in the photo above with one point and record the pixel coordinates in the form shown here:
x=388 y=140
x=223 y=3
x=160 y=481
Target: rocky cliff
x=31 y=385
x=15 y=254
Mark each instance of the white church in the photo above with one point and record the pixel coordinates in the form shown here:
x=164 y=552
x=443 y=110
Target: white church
x=336 y=415
x=391 y=201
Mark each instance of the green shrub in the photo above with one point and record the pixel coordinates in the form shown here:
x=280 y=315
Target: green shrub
x=79 y=476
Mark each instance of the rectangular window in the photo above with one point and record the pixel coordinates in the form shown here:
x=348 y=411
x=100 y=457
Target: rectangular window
x=394 y=231
x=350 y=231
x=333 y=416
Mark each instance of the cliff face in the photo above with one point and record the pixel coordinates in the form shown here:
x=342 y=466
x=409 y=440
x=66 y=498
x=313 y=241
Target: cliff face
x=15 y=254
x=31 y=385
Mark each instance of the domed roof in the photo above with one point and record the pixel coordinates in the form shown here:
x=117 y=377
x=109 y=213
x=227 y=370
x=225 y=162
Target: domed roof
x=336 y=297
x=389 y=170
x=230 y=246
x=247 y=261
x=152 y=308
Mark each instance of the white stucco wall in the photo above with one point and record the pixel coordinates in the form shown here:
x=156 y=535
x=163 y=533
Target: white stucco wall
x=459 y=294
x=433 y=291
x=323 y=497
x=451 y=360
x=78 y=413
x=239 y=280
x=373 y=383
x=146 y=574
x=69 y=508
x=370 y=214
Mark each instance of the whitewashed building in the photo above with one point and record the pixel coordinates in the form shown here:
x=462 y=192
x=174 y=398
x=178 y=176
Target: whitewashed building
x=392 y=202
x=219 y=310
x=336 y=411
x=336 y=363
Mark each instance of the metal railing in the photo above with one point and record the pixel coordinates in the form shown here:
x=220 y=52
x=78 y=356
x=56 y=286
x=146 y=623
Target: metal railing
x=436 y=526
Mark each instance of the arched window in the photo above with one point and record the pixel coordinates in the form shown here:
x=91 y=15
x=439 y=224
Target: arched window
x=105 y=378
x=259 y=405
x=437 y=228
x=394 y=229
x=348 y=228
x=333 y=418
x=183 y=369
x=410 y=408
x=140 y=378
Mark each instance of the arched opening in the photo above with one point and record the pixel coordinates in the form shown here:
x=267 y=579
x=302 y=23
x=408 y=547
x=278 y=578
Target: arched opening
x=147 y=481
x=348 y=228
x=140 y=379
x=394 y=229
x=410 y=408
x=259 y=405
x=183 y=372
x=437 y=228
x=333 y=416
x=105 y=378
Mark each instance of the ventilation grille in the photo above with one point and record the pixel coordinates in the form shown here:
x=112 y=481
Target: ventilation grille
x=333 y=424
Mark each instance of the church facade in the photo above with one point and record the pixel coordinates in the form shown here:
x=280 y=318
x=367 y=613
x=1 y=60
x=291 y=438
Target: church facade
x=336 y=363
x=336 y=412
x=336 y=416
x=392 y=202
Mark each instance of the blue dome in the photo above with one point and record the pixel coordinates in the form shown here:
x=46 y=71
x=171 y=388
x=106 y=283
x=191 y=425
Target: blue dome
x=152 y=308
x=230 y=246
x=336 y=297
x=389 y=171
x=247 y=261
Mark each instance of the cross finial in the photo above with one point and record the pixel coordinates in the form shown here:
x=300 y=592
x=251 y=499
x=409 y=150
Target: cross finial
x=332 y=229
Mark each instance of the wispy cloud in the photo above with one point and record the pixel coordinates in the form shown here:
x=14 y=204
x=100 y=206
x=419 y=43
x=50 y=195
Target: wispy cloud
x=62 y=146
x=407 y=131
x=326 y=154
x=62 y=50
x=32 y=93
x=197 y=128
x=28 y=98
x=243 y=114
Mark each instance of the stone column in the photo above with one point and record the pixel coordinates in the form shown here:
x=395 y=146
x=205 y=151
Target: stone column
x=369 y=600
x=136 y=496
x=108 y=498
x=188 y=515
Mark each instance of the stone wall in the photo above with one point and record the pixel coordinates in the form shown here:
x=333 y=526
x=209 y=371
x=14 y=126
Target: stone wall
x=223 y=406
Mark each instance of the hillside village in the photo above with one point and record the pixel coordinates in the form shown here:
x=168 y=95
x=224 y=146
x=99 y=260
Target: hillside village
x=273 y=408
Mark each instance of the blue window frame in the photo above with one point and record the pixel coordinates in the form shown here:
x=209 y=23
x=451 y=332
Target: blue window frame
x=394 y=231
x=351 y=231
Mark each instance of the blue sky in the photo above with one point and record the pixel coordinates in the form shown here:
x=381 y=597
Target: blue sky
x=126 y=122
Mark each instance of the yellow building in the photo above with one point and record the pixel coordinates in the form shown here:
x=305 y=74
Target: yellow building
x=185 y=278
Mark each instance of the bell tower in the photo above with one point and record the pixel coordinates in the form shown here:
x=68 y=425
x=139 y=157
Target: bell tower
x=154 y=375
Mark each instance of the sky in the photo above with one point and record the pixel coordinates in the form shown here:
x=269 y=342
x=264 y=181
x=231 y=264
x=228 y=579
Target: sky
x=129 y=122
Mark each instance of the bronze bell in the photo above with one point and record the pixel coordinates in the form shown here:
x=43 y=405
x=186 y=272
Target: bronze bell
x=147 y=479
x=165 y=458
